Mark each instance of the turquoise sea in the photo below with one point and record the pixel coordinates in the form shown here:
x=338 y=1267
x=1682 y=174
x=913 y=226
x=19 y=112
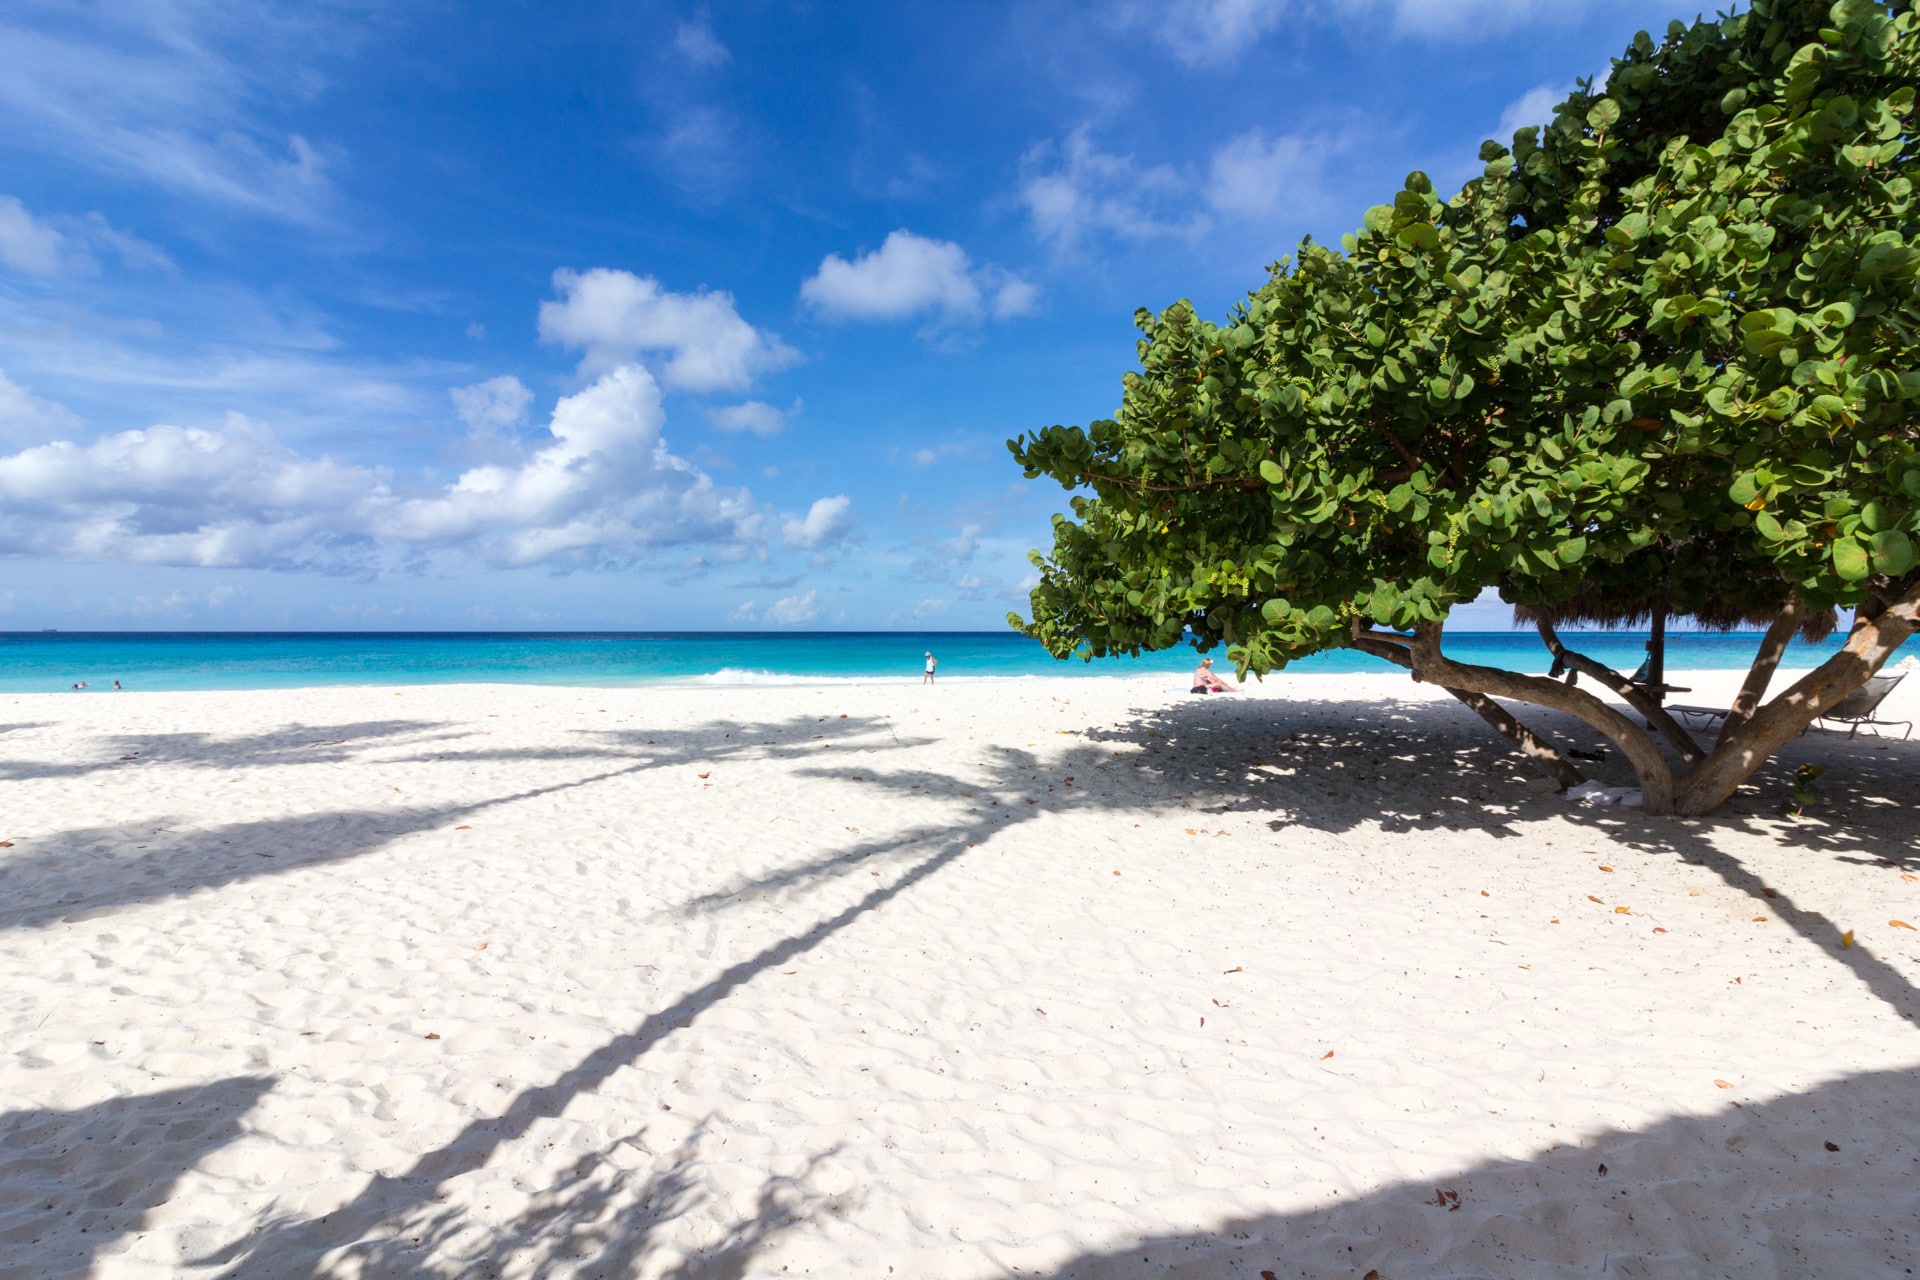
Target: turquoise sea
x=49 y=661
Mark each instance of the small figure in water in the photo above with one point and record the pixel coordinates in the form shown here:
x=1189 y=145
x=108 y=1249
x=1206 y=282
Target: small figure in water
x=116 y=684
x=932 y=662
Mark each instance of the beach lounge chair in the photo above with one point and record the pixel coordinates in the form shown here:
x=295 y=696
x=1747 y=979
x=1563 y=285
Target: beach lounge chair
x=1854 y=710
x=1858 y=707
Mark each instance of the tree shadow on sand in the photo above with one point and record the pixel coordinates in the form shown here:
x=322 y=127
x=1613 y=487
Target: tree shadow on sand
x=75 y=1184
x=85 y=872
x=1819 y=1184
x=1259 y=758
x=289 y=745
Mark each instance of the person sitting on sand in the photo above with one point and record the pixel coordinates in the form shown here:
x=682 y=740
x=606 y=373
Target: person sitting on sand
x=1204 y=681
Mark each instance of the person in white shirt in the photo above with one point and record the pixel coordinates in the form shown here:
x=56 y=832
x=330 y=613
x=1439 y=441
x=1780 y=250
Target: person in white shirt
x=932 y=662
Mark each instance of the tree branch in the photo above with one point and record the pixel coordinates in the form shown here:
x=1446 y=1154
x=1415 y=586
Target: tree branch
x=1542 y=752
x=1631 y=693
x=1434 y=667
x=1772 y=646
x=1740 y=751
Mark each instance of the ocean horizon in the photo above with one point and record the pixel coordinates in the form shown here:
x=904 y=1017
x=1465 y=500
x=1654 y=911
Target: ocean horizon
x=174 y=661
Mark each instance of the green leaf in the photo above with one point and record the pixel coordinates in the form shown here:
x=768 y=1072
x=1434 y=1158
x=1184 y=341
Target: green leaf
x=1603 y=115
x=1769 y=526
x=1270 y=472
x=1891 y=552
x=1850 y=559
x=1745 y=489
x=1874 y=518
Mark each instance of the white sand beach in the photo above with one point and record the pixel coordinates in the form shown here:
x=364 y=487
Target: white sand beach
x=1056 y=977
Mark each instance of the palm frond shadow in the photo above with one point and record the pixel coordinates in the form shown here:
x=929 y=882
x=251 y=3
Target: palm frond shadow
x=289 y=745
x=82 y=872
x=73 y=1183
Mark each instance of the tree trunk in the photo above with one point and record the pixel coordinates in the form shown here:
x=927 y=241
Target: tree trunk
x=1765 y=663
x=1543 y=753
x=1632 y=694
x=1744 y=749
x=1434 y=667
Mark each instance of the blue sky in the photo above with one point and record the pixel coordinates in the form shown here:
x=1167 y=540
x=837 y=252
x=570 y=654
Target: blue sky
x=645 y=315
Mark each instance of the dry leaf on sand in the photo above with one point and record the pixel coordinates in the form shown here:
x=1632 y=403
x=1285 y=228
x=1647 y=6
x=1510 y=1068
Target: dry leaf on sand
x=1901 y=924
x=1721 y=1084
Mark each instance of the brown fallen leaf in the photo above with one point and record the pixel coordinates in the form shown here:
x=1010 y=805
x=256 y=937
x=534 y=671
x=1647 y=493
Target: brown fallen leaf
x=1042 y=1012
x=464 y=827
x=1908 y=878
x=1759 y=919
x=6 y=844
x=1326 y=1055
x=1268 y=1275
x=1771 y=893
x=1603 y=1171
x=1608 y=870
x=709 y=775
x=1591 y=898
x=1901 y=924
x=1218 y=1005
x=1623 y=911
x=432 y=1035
x=1485 y=894
x=1190 y=831
x=1831 y=1146
x=1236 y=969
x=1203 y=1022
x=1721 y=1084
x=1846 y=940
x=1116 y=873
x=1371 y=1275
x=481 y=947
x=788 y=973
x=1658 y=929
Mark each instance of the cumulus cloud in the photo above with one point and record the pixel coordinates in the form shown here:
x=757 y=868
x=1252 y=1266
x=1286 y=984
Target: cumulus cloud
x=1073 y=191
x=825 y=522
x=26 y=243
x=492 y=407
x=603 y=490
x=1534 y=107
x=757 y=416
x=1468 y=19
x=697 y=45
x=24 y=416
x=792 y=611
x=910 y=275
x=615 y=317
x=1253 y=176
x=1217 y=32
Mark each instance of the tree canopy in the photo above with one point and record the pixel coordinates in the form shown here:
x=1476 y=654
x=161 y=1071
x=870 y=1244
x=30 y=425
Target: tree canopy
x=1661 y=355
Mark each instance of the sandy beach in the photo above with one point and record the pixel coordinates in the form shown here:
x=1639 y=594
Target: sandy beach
x=1048 y=977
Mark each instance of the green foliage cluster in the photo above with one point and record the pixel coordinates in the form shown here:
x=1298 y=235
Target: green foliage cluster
x=1664 y=347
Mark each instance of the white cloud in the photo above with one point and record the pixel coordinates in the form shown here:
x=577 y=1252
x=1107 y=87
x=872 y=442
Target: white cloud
x=910 y=275
x=1255 y=177
x=170 y=95
x=26 y=243
x=757 y=416
x=792 y=611
x=604 y=490
x=1073 y=191
x=826 y=521
x=25 y=417
x=1217 y=32
x=493 y=406
x=1467 y=19
x=1534 y=107
x=746 y=612
x=698 y=46
x=616 y=316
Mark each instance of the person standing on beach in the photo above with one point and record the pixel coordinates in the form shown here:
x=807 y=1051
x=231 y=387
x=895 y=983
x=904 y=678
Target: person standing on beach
x=932 y=662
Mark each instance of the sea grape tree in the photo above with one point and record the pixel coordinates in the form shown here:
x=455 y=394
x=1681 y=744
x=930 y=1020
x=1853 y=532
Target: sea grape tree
x=1661 y=356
